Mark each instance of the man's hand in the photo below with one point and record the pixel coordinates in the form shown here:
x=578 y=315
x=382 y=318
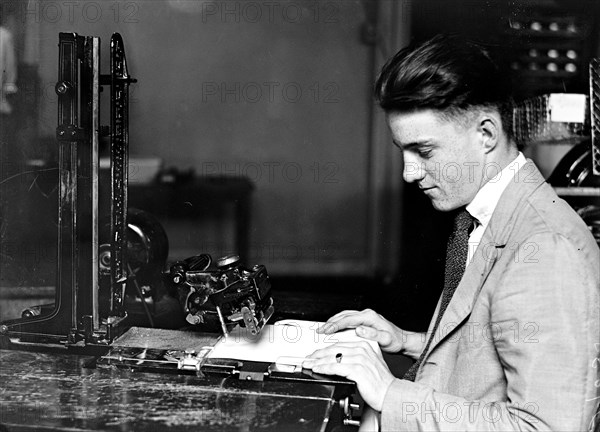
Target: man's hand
x=369 y=325
x=359 y=363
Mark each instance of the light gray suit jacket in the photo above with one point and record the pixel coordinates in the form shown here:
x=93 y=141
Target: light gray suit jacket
x=518 y=346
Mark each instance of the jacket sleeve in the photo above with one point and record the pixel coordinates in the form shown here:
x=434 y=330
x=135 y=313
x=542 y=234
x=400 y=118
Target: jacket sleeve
x=550 y=289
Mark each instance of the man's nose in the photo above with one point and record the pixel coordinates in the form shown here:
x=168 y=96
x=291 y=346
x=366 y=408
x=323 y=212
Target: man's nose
x=413 y=171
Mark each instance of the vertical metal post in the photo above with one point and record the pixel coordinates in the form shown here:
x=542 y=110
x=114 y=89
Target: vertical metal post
x=95 y=181
x=595 y=113
x=87 y=185
x=78 y=156
x=119 y=112
x=68 y=132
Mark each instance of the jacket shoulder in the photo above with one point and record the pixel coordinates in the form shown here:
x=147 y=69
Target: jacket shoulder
x=544 y=212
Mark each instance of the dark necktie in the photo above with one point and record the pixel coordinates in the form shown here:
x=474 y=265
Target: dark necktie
x=456 y=258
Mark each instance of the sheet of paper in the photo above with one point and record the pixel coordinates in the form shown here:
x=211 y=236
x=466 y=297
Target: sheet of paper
x=285 y=342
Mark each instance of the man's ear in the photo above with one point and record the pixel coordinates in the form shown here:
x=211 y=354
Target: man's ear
x=490 y=129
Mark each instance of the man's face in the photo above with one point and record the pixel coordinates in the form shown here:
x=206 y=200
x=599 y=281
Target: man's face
x=444 y=157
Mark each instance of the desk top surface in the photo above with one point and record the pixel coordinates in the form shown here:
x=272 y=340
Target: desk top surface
x=56 y=392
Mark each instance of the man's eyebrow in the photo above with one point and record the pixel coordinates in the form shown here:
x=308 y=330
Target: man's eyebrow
x=411 y=145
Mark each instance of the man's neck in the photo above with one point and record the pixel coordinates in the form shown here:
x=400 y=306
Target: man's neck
x=503 y=156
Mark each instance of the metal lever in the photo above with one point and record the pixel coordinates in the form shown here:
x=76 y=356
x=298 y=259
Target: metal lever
x=347 y=408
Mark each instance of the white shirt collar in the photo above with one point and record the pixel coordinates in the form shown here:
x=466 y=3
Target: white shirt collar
x=484 y=203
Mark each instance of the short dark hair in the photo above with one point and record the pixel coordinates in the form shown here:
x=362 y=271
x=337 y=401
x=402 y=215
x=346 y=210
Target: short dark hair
x=446 y=73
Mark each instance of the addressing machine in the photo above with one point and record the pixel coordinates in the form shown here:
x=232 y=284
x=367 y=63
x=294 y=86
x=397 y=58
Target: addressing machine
x=111 y=261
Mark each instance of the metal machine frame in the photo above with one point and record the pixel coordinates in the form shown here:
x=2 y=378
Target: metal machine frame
x=76 y=318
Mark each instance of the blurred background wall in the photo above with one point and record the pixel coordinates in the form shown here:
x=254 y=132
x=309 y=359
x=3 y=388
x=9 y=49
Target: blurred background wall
x=279 y=93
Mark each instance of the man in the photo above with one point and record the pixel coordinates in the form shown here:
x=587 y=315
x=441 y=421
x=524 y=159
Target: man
x=514 y=341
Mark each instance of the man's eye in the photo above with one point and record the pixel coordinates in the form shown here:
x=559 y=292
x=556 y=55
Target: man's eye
x=425 y=153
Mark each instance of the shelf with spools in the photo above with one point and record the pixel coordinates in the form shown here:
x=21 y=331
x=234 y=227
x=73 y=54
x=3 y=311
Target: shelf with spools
x=549 y=45
x=573 y=122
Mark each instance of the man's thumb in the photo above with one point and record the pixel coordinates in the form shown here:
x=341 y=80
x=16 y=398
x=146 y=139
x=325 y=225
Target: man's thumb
x=372 y=334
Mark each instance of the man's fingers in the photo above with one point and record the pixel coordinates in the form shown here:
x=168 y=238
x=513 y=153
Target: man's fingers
x=320 y=357
x=342 y=314
x=345 y=348
x=333 y=325
x=358 y=363
x=345 y=322
x=330 y=359
x=352 y=319
x=346 y=370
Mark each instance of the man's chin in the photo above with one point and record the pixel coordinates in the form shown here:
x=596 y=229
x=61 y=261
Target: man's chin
x=443 y=206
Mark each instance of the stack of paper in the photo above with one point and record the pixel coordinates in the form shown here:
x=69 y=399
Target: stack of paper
x=285 y=342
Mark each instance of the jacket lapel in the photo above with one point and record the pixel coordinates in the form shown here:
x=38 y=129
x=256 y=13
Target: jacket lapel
x=495 y=237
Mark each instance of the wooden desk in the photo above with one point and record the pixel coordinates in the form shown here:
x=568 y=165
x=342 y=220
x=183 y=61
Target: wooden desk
x=42 y=391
